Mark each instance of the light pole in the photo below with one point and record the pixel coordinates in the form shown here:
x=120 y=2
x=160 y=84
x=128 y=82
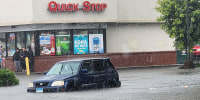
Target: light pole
x=188 y=31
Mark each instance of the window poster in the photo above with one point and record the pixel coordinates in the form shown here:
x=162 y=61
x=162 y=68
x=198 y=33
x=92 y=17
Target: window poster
x=81 y=44
x=31 y=42
x=11 y=44
x=47 y=44
x=28 y=42
x=96 y=43
x=62 y=44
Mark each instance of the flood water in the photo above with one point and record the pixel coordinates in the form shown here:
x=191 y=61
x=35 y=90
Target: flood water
x=162 y=83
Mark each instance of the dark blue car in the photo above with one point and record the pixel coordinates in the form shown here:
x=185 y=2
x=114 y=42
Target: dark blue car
x=77 y=74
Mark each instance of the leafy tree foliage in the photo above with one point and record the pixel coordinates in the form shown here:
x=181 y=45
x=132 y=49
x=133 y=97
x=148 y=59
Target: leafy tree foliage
x=174 y=18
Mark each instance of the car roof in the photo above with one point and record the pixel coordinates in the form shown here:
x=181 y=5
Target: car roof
x=82 y=59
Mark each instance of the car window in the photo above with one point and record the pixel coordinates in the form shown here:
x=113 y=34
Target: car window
x=109 y=65
x=70 y=68
x=55 y=70
x=87 y=65
x=98 y=65
x=64 y=68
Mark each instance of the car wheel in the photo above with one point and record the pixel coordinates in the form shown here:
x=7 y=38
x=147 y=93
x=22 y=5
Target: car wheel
x=115 y=83
x=118 y=84
x=103 y=85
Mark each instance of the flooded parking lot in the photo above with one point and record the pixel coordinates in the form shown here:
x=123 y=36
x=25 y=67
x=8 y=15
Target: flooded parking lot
x=164 y=83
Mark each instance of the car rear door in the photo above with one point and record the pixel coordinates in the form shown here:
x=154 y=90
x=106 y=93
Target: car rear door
x=111 y=73
x=99 y=76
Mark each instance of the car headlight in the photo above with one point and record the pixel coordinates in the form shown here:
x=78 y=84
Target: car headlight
x=30 y=84
x=58 y=83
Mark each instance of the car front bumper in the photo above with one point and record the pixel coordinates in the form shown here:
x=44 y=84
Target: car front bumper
x=196 y=53
x=47 y=89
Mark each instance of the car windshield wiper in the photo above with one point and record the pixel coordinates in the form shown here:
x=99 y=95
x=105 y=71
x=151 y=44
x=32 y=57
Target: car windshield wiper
x=71 y=69
x=61 y=69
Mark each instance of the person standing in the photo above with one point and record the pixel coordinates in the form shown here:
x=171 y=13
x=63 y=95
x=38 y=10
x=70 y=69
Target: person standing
x=23 y=62
x=16 y=60
x=31 y=59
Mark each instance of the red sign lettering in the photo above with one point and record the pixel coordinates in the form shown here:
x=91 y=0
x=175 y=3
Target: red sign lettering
x=94 y=7
x=52 y=6
x=70 y=7
x=87 y=6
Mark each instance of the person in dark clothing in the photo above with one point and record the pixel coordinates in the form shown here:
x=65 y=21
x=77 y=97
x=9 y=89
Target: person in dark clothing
x=16 y=60
x=24 y=54
x=31 y=59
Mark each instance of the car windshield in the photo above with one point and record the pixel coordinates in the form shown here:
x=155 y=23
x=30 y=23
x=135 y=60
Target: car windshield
x=197 y=45
x=64 y=68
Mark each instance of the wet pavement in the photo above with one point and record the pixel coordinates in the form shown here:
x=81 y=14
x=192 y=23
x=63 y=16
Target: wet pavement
x=164 y=83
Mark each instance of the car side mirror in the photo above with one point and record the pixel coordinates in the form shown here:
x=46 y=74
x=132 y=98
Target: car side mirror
x=84 y=71
x=45 y=72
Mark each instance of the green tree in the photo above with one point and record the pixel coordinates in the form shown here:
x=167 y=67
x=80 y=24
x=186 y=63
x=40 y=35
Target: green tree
x=174 y=18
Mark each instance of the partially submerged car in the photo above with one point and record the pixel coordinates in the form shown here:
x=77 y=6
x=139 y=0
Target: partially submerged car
x=196 y=50
x=77 y=74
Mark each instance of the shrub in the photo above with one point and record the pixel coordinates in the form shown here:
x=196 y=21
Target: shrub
x=7 y=78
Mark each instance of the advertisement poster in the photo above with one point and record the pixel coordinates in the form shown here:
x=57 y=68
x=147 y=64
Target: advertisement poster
x=47 y=45
x=11 y=44
x=96 y=43
x=62 y=44
x=12 y=36
x=31 y=42
x=81 y=44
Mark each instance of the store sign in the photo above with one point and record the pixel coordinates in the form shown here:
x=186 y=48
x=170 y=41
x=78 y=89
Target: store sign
x=86 y=6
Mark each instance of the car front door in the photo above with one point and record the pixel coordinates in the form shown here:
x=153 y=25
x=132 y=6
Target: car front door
x=86 y=78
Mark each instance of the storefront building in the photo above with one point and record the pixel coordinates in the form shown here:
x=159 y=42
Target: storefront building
x=124 y=30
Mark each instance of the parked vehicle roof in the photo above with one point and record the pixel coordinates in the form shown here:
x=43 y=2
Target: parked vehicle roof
x=81 y=59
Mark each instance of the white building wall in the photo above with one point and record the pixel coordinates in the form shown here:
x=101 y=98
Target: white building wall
x=137 y=10
x=137 y=38
x=15 y=12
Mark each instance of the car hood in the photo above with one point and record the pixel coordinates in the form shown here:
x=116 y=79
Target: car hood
x=49 y=78
x=196 y=47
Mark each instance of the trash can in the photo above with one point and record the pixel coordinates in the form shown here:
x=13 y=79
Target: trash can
x=181 y=56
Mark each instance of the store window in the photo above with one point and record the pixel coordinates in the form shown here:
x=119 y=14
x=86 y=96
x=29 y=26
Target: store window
x=80 y=38
x=63 y=42
x=25 y=40
x=21 y=40
x=2 y=47
x=30 y=41
x=58 y=42
x=47 y=43
x=11 y=44
x=96 y=43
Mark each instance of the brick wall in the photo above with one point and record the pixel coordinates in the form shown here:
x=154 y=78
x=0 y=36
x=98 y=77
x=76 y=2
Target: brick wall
x=44 y=63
